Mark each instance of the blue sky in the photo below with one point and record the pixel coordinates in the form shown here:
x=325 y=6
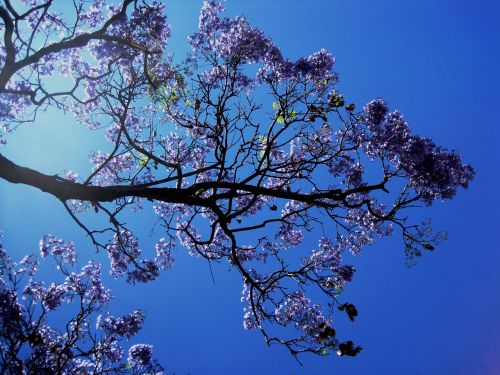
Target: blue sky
x=436 y=61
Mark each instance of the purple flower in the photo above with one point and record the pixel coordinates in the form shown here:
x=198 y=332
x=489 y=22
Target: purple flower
x=140 y=354
x=375 y=112
x=110 y=170
x=58 y=248
x=126 y=326
x=90 y=281
x=54 y=296
x=164 y=258
x=327 y=256
x=434 y=172
x=316 y=67
x=30 y=264
x=124 y=253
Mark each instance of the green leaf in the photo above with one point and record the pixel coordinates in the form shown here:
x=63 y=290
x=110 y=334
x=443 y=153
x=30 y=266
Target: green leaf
x=324 y=352
x=276 y=106
x=142 y=161
x=280 y=120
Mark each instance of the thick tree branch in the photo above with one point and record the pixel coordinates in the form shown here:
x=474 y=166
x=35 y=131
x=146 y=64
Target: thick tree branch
x=64 y=189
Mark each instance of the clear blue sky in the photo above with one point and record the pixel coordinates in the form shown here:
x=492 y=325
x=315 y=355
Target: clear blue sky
x=437 y=61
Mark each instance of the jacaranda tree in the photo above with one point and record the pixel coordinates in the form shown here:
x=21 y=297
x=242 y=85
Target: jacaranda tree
x=241 y=153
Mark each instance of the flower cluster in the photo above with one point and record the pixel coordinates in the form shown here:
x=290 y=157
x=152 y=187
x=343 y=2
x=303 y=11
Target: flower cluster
x=434 y=172
x=72 y=347
x=58 y=248
x=124 y=253
x=124 y=326
x=327 y=256
x=289 y=233
x=140 y=354
x=306 y=317
x=147 y=27
x=238 y=43
x=164 y=257
x=109 y=168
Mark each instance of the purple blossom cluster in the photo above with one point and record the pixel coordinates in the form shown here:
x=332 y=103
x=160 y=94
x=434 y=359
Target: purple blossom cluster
x=110 y=169
x=29 y=345
x=289 y=232
x=94 y=15
x=188 y=237
x=365 y=228
x=434 y=172
x=133 y=123
x=252 y=315
x=140 y=354
x=29 y=265
x=86 y=283
x=177 y=148
x=147 y=27
x=327 y=256
x=316 y=67
x=347 y=169
x=306 y=317
x=58 y=248
x=89 y=280
x=327 y=262
x=390 y=132
x=124 y=326
x=294 y=309
x=235 y=41
x=164 y=258
x=124 y=253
